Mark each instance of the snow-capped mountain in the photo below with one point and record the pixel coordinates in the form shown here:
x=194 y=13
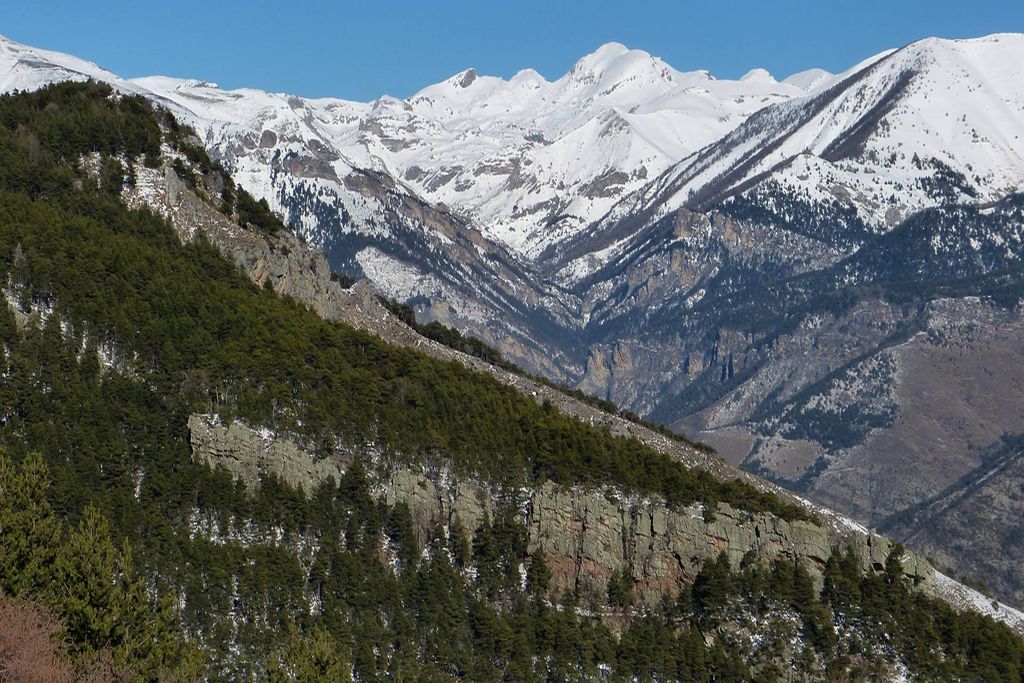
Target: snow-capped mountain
x=279 y=148
x=28 y=68
x=935 y=122
x=443 y=199
x=527 y=160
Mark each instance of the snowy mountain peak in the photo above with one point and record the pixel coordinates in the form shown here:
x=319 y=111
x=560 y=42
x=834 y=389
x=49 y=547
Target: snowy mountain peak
x=601 y=58
x=614 y=63
x=757 y=75
x=808 y=79
x=531 y=162
x=27 y=68
x=933 y=123
x=465 y=78
x=529 y=76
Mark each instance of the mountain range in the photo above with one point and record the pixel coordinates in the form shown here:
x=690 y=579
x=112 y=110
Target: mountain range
x=819 y=276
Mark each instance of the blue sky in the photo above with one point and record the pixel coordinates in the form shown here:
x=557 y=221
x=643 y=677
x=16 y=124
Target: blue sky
x=359 y=50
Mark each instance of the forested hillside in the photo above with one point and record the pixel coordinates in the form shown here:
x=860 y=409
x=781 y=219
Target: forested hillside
x=116 y=332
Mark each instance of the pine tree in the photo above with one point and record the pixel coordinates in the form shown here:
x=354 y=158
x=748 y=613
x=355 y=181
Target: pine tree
x=538 y=576
x=88 y=586
x=150 y=647
x=712 y=589
x=308 y=657
x=620 y=585
x=30 y=533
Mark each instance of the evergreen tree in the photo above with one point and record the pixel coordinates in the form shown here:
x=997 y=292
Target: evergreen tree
x=30 y=533
x=88 y=585
x=620 y=585
x=712 y=589
x=308 y=657
x=538 y=576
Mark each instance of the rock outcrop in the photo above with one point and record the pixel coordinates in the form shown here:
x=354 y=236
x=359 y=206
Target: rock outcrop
x=586 y=534
x=248 y=455
x=282 y=260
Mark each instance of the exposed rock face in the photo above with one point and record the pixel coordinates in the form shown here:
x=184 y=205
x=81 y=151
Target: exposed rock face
x=282 y=260
x=248 y=455
x=662 y=548
x=654 y=558
x=586 y=534
x=297 y=270
x=870 y=371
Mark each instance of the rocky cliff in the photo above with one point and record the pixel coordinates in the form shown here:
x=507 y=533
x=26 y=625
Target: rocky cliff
x=586 y=534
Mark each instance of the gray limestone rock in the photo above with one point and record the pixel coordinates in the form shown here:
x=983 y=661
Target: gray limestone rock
x=585 y=533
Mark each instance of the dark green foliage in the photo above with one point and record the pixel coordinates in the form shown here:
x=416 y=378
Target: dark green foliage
x=472 y=346
x=185 y=172
x=228 y=195
x=620 y=585
x=833 y=223
x=498 y=549
x=112 y=175
x=937 y=642
x=712 y=589
x=308 y=657
x=256 y=214
x=210 y=339
x=63 y=122
x=92 y=586
x=538 y=576
x=447 y=336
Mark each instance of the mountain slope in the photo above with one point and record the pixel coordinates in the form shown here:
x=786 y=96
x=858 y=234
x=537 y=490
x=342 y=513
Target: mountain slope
x=527 y=160
x=934 y=122
x=116 y=333
x=369 y=223
x=823 y=293
x=441 y=199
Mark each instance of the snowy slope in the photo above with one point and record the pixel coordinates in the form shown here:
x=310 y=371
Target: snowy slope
x=527 y=160
x=534 y=160
x=936 y=122
x=28 y=68
x=965 y=598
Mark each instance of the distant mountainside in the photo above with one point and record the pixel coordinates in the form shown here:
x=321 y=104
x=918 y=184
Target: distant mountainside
x=831 y=293
x=820 y=276
x=528 y=161
x=934 y=123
